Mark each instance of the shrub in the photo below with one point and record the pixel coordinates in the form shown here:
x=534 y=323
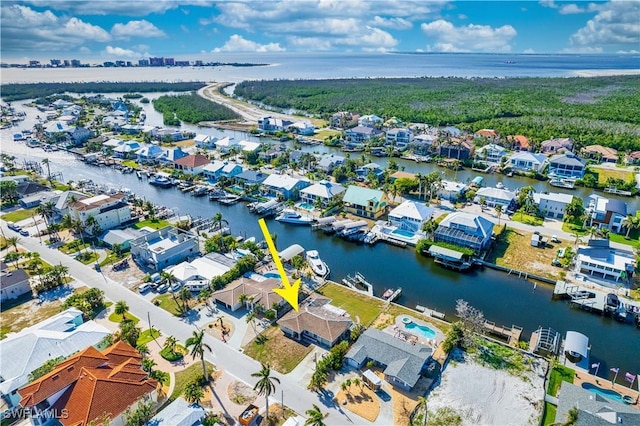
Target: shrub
x=170 y=355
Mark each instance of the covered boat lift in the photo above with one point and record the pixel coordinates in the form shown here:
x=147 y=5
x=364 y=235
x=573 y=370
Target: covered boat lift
x=290 y=252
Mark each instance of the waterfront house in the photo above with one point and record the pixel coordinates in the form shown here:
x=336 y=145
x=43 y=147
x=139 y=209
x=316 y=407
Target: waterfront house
x=488 y=134
x=13 y=284
x=556 y=146
x=601 y=262
x=595 y=408
x=365 y=202
x=401 y=175
x=85 y=386
x=80 y=134
x=370 y=120
x=465 y=230
x=376 y=169
x=271 y=154
x=566 y=166
x=399 y=137
x=226 y=145
x=410 y=216
x=162 y=134
x=552 y=205
x=317 y=321
x=114 y=123
x=270 y=124
x=171 y=154
x=123 y=237
x=213 y=170
x=491 y=153
x=328 y=162
x=179 y=413
x=43 y=197
x=496 y=196
x=204 y=141
x=344 y=120
x=198 y=273
x=58 y=336
x=519 y=143
x=164 y=247
x=600 y=153
x=55 y=129
x=109 y=211
x=450 y=190
x=250 y=177
x=401 y=362
x=258 y=293
x=323 y=193
x=62 y=203
x=127 y=149
x=61 y=103
x=607 y=213
x=192 y=164
x=423 y=143
x=526 y=162
x=459 y=150
x=149 y=154
x=284 y=186
x=28 y=188
x=248 y=146
x=303 y=127
x=134 y=129
x=361 y=134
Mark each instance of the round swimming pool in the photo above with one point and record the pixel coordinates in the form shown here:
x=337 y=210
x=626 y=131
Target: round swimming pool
x=607 y=393
x=406 y=320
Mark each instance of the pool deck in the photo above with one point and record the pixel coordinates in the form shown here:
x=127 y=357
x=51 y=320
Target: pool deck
x=399 y=327
x=582 y=377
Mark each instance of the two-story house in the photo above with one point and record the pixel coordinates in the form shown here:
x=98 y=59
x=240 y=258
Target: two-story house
x=284 y=186
x=496 y=196
x=322 y=193
x=526 y=162
x=191 y=164
x=361 y=134
x=164 y=247
x=607 y=213
x=465 y=230
x=109 y=211
x=553 y=205
x=399 y=137
x=566 y=165
x=365 y=202
x=410 y=216
x=459 y=150
x=491 y=153
x=557 y=145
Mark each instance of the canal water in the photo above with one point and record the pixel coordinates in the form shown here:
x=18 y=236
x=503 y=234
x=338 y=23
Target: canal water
x=504 y=299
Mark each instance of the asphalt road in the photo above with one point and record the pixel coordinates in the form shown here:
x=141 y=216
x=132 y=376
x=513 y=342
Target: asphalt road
x=229 y=360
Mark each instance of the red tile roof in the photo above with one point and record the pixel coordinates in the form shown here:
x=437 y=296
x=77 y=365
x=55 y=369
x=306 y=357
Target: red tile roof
x=97 y=384
x=193 y=161
x=521 y=141
x=488 y=133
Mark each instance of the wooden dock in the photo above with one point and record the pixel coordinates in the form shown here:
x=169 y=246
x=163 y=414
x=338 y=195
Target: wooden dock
x=512 y=334
x=588 y=297
x=430 y=312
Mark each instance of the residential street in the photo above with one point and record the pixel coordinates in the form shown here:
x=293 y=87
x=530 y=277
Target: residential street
x=224 y=357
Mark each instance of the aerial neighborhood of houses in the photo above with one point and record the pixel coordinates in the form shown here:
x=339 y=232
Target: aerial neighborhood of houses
x=139 y=276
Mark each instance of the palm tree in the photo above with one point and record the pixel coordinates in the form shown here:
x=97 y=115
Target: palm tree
x=217 y=218
x=46 y=210
x=13 y=241
x=193 y=393
x=93 y=224
x=170 y=343
x=185 y=295
x=143 y=349
x=315 y=417
x=148 y=364
x=251 y=316
x=243 y=298
x=67 y=221
x=198 y=346
x=631 y=222
x=422 y=404
x=121 y=309
x=265 y=385
x=498 y=209
x=221 y=320
x=356 y=382
x=45 y=161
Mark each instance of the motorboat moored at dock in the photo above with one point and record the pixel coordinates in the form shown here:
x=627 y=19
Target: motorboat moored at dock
x=293 y=217
x=317 y=265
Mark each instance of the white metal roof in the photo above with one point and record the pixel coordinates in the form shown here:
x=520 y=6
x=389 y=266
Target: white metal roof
x=291 y=251
x=413 y=210
x=576 y=343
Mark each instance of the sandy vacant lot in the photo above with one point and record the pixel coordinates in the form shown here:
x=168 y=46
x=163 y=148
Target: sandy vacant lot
x=484 y=396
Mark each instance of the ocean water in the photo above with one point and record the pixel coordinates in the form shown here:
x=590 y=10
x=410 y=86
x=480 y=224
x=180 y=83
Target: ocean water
x=348 y=65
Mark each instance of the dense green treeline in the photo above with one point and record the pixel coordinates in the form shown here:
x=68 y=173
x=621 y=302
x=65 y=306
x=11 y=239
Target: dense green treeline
x=602 y=110
x=16 y=92
x=191 y=108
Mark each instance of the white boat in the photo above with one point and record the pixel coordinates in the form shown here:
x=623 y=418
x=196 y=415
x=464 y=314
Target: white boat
x=293 y=217
x=317 y=265
x=563 y=183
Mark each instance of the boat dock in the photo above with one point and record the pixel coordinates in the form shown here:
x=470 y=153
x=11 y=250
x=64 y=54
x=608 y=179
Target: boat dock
x=512 y=334
x=589 y=298
x=393 y=295
x=430 y=312
x=357 y=282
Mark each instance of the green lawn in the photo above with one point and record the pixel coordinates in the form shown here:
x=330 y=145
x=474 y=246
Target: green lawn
x=549 y=414
x=559 y=374
x=574 y=228
x=118 y=318
x=632 y=241
x=113 y=258
x=527 y=219
x=18 y=215
x=605 y=173
x=188 y=375
x=152 y=223
x=166 y=302
x=278 y=351
x=322 y=134
x=148 y=335
x=88 y=257
x=73 y=246
x=356 y=304
x=130 y=163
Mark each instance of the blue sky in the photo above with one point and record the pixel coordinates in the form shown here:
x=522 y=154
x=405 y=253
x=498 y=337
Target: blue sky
x=199 y=29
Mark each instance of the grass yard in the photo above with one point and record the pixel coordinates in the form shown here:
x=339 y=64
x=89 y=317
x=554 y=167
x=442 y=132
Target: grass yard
x=574 y=228
x=87 y=257
x=514 y=250
x=188 y=375
x=118 y=318
x=527 y=219
x=113 y=257
x=559 y=374
x=358 y=305
x=549 y=414
x=632 y=241
x=166 y=302
x=148 y=335
x=130 y=163
x=18 y=215
x=325 y=133
x=280 y=352
x=605 y=173
x=151 y=223
x=73 y=246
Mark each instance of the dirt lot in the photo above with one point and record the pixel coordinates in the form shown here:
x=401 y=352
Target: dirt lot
x=129 y=277
x=361 y=401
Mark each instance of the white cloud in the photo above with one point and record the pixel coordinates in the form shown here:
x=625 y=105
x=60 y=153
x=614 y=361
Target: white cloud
x=528 y=51
x=141 y=28
x=469 y=38
x=237 y=43
x=549 y=3
x=124 y=53
x=394 y=23
x=24 y=29
x=628 y=52
x=617 y=23
x=117 y=7
x=572 y=8
x=582 y=49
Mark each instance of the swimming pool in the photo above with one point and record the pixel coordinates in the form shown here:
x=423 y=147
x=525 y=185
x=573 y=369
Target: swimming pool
x=607 y=393
x=305 y=206
x=236 y=188
x=271 y=274
x=421 y=329
x=403 y=233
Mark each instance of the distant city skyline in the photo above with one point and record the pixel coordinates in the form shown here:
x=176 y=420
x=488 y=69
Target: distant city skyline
x=98 y=31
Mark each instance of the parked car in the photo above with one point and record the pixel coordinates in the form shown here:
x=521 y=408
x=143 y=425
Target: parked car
x=144 y=288
x=555 y=239
x=163 y=288
x=24 y=232
x=14 y=226
x=175 y=287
